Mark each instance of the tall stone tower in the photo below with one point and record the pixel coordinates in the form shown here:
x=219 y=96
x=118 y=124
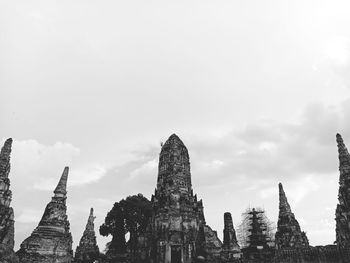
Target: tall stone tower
x=342 y=213
x=6 y=212
x=230 y=247
x=87 y=251
x=178 y=220
x=51 y=241
x=289 y=234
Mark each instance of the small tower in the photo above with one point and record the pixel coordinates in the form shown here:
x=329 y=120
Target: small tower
x=51 y=241
x=230 y=248
x=342 y=213
x=7 y=228
x=87 y=251
x=289 y=234
x=257 y=236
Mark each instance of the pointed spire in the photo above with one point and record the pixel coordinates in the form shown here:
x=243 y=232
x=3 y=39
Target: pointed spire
x=6 y=149
x=87 y=248
x=284 y=206
x=61 y=188
x=344 y=157
x=51 y=240
x=5 y=158
x=343 y=207
x=90 y=223
x=288 y=232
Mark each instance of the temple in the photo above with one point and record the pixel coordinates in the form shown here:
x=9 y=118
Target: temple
x=87 y=251
x=178 y=224
x=7 y=229
x=51 y=241
x=175 y=229
x=289 y=234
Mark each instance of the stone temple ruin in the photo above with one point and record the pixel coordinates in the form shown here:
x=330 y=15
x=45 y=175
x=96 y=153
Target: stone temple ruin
x=177 y=231
x=51 y=241
x=88 y=251
x=7 y=229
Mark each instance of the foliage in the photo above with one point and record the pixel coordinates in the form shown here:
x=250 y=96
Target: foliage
x=130 y=215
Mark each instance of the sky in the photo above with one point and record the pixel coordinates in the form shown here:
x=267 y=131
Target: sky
x=257 y=91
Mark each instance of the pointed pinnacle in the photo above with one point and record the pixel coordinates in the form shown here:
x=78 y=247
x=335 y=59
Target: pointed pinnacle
x=174 y=138
x=344 y=157
x=284 y=206
x=61 y=188
x=5 y=158
x=6 y=149
x=90 y=222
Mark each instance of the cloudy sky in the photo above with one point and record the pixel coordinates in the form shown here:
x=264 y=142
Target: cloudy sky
x=257 y=91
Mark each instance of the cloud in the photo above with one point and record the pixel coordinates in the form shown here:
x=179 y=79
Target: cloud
x=299 y=189
x=150 y=167
x=39 y=166
x=29 y=216
x=337 y=51
x=86 y=175
x=334 y=61
x=274 y=150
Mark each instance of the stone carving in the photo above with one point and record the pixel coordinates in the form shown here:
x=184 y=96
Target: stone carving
x=7 y=229
x=288 y=232
x=87 y=251
x=51 y=241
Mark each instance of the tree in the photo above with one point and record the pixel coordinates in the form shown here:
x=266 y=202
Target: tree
x=128 y=215
x=115 y=225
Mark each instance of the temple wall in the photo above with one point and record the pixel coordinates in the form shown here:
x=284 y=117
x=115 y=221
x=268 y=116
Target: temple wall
x=320 y=254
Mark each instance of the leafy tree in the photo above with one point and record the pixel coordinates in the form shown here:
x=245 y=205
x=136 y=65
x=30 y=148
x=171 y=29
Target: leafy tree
x=115 y=225
x=128 y=215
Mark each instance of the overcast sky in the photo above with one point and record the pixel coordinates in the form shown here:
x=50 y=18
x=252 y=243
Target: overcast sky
x=257 y=91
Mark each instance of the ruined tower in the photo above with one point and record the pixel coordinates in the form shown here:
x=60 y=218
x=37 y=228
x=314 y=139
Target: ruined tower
x=87 y=251
x=6 y=212
x=289 y=234
x=178 y=220
x=51 y=241
x=342 y=214
x=230 y=247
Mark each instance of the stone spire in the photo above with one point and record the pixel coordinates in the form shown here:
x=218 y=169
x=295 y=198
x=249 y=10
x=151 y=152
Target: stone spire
x=51 y=241
x=342 y=214
x=7 y=228
x=87 y=251
x=230 y=248
x=61 y=188
x=5 y=192
x=174 y=166
x=288 y=232
x=284 y=207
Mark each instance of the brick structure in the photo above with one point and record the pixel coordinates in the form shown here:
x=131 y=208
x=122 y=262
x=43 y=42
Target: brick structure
x=230 y=247
x=7 y=228
x=289 y=234
x=178 y=225
x=87 y=251
x=51 y=241
x=342 y=214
